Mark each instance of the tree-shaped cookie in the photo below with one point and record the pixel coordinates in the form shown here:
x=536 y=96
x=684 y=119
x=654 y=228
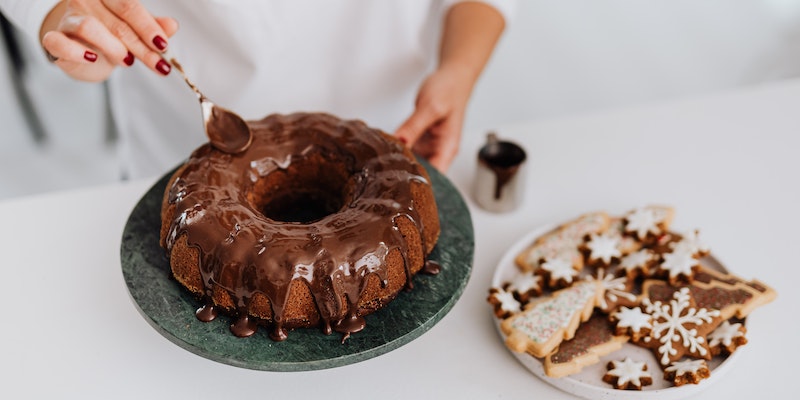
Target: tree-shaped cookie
x=547 y=321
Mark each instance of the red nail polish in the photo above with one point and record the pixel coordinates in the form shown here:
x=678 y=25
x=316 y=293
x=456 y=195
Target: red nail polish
x=90 y=56
x=128 y=60
x=163 y=67
x=402 y=140
x=160 y=43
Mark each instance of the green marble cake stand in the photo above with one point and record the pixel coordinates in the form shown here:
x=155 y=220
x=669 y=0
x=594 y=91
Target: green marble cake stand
x=170 y=309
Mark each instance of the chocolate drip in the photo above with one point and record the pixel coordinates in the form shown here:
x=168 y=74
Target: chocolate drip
x=206 y=313
x=431 y=268
x=248 y=254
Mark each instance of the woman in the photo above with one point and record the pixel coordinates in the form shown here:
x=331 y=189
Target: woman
x=404 y=64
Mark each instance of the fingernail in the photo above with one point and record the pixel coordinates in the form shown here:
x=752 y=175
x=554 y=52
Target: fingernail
x=160 y=43
x=163 y=67
x=90 y=56
x=128 y=60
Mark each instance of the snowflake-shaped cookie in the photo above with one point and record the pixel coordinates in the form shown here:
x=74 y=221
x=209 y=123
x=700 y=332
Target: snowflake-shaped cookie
x=679 y=327
x=687 y=371
x=632 y=322
x=628 y=374
x=603 y=248
x=503 y=302
x=637 y=263
x=525 y=286
x=642 y=221
x=727 y=338
x=690 y=242
x=560 y=272
x=679 y=265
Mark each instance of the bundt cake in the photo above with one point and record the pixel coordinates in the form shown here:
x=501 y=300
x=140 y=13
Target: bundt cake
x=318 y=223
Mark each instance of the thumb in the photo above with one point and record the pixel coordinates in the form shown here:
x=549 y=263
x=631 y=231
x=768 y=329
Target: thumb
x=416 y=125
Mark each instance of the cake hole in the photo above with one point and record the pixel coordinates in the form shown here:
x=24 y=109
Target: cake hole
x=305 y=192
x=302 y=206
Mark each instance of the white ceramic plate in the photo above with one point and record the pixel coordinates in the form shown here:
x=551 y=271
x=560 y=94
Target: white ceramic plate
x=588 y=383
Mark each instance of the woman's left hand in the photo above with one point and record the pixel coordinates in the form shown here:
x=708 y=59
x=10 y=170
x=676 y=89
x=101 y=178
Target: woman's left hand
x=433 y=130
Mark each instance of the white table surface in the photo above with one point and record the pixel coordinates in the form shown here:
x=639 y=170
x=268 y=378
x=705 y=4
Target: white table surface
x=728 y=163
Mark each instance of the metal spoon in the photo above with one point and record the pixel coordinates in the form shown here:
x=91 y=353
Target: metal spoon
x=226 y=130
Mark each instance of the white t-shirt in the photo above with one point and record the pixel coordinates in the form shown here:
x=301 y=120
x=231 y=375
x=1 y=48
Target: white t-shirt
x=361 y=59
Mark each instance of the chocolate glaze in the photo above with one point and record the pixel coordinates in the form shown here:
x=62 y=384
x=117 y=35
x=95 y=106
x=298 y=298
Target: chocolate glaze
x=246 y=253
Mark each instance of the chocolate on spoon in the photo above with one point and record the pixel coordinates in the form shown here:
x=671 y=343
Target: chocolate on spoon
x=226 y=130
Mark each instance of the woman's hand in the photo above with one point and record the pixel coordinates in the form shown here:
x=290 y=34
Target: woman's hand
x=89 y=38
x=433 y=131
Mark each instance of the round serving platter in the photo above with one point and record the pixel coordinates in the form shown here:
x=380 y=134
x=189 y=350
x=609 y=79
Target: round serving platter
x=170 y=309
x=588 y=383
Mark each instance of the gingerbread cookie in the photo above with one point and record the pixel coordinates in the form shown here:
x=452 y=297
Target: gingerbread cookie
x=679 y=327
x=679 y=265
x=691 y=243
x=628 y=374
x=687 y=371
x=525 y=286
x=593 y=339
x=601 y=249
x=547 y=321
x=637 y=264
x=648 y=222
x=763 y=293
x=503 y=302
x=632 y=322
x=729 y=300
x=558 y=272
x=727 y=338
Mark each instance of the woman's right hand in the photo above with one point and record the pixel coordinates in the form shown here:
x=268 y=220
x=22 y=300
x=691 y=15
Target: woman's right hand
x=89 y=38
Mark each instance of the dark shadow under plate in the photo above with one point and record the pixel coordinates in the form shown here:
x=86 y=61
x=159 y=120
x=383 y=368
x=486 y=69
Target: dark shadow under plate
x=170 y=309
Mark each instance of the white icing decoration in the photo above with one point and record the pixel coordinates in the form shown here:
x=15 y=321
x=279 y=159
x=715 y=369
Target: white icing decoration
x=670 y=324
x=680 y=261
x=560 y=268
x=614 y=288
x=687 y=366
x=542 y=320
x=691 y=243
x=642 y=221
x=525 y=282
x=603 y=247
x=628 y=370
x=632 y=318
x=725 y=333
x=636 y=260
x=507 y=301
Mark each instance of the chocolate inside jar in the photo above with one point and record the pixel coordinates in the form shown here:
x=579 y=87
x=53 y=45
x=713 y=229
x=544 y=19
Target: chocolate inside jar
x=504 y=160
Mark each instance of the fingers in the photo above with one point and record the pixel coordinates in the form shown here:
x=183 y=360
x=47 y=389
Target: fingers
x=136 y=24
x=119 y=31
x=91 y=32
x=417 y=124
x=441 y=143
x=60 y=47
x=169 y=25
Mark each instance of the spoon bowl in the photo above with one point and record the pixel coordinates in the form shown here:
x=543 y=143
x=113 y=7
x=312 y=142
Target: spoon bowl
x=226 y=130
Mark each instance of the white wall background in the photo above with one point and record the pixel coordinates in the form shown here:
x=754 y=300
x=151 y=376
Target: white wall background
x=559 y=57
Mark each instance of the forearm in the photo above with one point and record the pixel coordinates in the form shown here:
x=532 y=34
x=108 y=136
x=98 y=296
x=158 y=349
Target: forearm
x=471 y=31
